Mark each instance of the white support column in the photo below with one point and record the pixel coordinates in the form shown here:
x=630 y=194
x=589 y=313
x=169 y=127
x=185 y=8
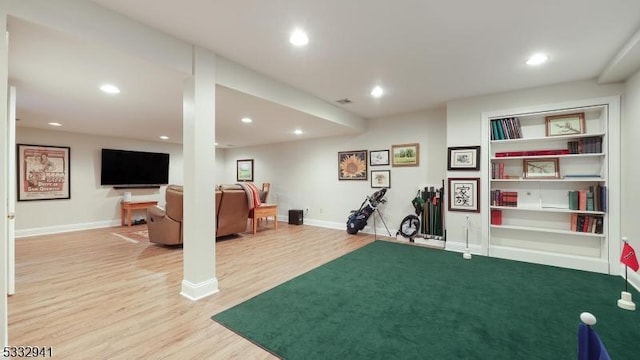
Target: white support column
x=199 y=179
x=4 y=99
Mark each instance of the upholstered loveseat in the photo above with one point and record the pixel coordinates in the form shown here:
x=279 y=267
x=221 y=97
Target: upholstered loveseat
x=165 y=223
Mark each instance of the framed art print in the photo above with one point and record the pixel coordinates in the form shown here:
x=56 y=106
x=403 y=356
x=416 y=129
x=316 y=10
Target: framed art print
x=464 y=158
x=244 y=170
x=43 y=172
x=378 y=157
x=464 y=194
x=381 y=178
x=406 y=154
x=544 y=168
x=569 y=124
x=352 y=165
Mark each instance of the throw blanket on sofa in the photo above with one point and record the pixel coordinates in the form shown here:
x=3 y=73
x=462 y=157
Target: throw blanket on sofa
x=253 y=194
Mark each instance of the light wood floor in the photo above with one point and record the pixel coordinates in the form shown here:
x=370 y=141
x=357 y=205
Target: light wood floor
x=93 y=295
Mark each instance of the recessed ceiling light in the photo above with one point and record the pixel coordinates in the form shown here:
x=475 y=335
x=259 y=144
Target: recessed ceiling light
x=55 y=124
x=164 y=137
x=215 y=143
x=537 y=59
x=110 y=89
x=298 y=132
x=299 y=38
x=247 y=120
x=377 y=92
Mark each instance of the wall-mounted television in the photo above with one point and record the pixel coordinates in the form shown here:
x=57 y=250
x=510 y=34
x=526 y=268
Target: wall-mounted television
x=126 y=168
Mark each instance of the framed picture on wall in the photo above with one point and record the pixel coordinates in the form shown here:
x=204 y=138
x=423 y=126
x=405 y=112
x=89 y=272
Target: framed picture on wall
x=352 y=165
x=406 y=155
x=43 y=172
x=464 y=194
x=381 y=178
x=378 y=157
x=244 y=170
x=464 y=158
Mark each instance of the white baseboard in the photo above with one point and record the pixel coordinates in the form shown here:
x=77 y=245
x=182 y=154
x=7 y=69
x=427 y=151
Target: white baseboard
x=195 y=292
x=65 y=228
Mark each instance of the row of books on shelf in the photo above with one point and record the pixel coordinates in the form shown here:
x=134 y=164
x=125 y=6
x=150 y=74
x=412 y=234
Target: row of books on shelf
x=579 y=222
x=504 y=129
x=533 y=153
x=504 y=198
x=593 y=199
x=587 y=223
x=589 y=145
x=497 y=172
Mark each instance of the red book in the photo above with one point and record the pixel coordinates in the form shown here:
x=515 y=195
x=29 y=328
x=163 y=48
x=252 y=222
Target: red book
x=574 y=221
x=496 y=217
x=582 y=200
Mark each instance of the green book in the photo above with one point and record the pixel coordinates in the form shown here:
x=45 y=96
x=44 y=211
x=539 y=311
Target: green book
x=590 y=206
x=573 y=199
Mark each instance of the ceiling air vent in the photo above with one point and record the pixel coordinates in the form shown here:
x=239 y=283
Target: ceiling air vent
x=343 y=101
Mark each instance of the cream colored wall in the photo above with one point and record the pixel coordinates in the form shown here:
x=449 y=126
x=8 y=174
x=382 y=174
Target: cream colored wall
x=91 y=205
x=464 y=128
x=304 y=174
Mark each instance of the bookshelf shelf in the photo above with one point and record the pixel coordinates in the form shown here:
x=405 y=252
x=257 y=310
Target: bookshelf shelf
x=570 y=179
x=536 y=218
x=547 y=209
x=546 y=138
x=546 y=230
x=506 y=158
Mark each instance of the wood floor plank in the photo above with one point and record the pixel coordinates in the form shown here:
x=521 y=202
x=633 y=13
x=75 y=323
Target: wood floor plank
x=93 y=295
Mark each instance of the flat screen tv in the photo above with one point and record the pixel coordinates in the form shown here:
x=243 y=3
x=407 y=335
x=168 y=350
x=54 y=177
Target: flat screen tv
x=125 y=168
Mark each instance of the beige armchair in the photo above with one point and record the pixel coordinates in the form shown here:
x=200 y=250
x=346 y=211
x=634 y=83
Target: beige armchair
x=165 y=225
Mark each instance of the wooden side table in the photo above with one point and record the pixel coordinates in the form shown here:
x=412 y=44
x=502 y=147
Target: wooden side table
x=127 y=207
x=264 y=211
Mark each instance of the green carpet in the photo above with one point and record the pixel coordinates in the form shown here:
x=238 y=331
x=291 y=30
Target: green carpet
x=394 y=301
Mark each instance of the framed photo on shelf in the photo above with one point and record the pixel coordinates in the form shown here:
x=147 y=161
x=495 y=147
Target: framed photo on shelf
x=464 y=194
x=464 y=158
x=244 y=170
x=378 y=157
x=43 y=172
x=381 y=178
x=569 y=124
x=405 y=155
x=352 y=165
x=541 y=168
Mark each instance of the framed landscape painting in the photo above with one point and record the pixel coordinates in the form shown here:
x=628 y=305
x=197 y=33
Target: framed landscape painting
x=244 y=171
x=43 y=172
x=406 y=154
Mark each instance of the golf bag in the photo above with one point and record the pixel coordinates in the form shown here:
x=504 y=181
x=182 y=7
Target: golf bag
x=358 y=218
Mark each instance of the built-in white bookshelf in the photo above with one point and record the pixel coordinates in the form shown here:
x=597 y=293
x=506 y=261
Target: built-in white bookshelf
x=535 y=157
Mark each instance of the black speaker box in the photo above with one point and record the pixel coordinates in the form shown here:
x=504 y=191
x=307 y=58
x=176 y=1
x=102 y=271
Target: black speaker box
x=295 y=217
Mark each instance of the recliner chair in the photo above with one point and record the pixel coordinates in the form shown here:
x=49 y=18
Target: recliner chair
x=165 y=225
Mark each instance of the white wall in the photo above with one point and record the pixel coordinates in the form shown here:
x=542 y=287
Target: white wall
x=91 y=205
x=464 y=128
x=630 y=130
x=304 y=174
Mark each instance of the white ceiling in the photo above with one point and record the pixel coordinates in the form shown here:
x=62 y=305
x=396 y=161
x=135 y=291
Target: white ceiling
x=422 y=52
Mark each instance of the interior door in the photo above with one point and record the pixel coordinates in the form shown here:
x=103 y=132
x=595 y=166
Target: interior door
x=11 y=192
